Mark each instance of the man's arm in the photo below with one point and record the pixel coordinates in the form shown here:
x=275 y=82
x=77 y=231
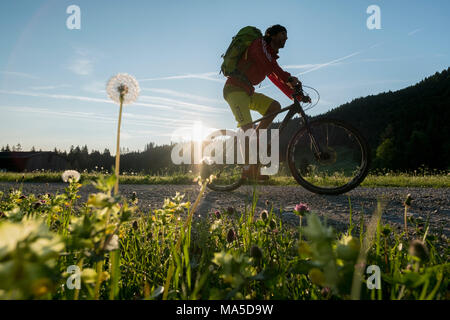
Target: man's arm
x=283 y=79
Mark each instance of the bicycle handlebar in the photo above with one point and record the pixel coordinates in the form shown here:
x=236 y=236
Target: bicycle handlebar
x=298 y=91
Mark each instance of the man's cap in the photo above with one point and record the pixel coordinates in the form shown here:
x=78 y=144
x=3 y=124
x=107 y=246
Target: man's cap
x=275 y=29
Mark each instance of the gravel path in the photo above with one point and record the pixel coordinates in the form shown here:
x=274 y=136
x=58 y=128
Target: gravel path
x=434 y=202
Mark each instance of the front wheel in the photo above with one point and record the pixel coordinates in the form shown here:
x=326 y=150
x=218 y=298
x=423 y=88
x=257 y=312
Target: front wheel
x=331 y=157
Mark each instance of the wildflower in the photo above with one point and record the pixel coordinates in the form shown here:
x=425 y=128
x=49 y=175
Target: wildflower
x=301 y=208
x=230 y=210
x=386 y=231
x=231 y=236
x=408 y=200
x=267 y=203
x=348 y=248
x=217 y=214
x=264 y=215
x=256 y=253
x=70 y=175
x=125 y=85
x=419 y=250
x=133 y=196
x=113 y=243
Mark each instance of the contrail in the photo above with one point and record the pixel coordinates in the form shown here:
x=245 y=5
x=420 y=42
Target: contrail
x=328 y=63
x=204 y=76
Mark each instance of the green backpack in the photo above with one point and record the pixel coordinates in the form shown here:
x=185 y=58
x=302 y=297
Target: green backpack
x=241 y=41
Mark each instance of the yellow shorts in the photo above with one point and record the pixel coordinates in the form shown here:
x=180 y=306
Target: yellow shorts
x=241 y=103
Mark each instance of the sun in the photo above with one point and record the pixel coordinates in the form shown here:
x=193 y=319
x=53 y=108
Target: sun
x=199 y=131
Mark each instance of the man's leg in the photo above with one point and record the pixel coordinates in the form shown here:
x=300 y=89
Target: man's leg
x=274 y=107
x=259 y=104
x=239 y=102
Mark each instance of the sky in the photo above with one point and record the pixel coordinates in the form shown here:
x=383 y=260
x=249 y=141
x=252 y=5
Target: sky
x=53 y=79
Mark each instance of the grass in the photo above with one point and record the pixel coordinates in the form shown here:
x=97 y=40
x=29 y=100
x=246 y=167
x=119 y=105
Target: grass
x=378 y=179
x=117 y=251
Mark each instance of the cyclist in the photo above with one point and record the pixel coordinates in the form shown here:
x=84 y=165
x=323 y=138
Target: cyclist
x=259 y=61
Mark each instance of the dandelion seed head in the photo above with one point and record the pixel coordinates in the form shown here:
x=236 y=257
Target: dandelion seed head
x=70 y=175
x=113 y=243
x=124 y=84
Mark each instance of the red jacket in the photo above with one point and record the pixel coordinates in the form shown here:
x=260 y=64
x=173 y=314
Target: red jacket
x=259 y=61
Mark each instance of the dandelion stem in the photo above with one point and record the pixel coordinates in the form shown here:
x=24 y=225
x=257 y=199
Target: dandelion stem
x=406 y=225
x=300 y=229
x=116 y=186
x=99 y=279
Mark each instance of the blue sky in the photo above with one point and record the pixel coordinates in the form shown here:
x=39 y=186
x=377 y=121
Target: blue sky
x=52 y=79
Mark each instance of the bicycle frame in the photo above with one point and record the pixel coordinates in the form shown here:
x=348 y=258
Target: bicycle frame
x=294 y=109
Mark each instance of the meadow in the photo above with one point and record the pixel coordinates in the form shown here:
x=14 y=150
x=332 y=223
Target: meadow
x=376 y=178
x=54 y=247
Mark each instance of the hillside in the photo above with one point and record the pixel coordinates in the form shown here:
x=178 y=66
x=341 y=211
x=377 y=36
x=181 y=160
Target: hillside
x=406 y=128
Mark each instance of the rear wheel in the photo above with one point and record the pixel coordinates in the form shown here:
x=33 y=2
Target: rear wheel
x=222 y=147
x=332 y=158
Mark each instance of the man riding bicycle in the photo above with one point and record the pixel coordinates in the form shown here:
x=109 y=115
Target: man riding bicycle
x=258 y=62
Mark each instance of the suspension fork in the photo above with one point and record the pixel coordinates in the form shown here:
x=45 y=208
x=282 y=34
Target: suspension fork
x=316 y=147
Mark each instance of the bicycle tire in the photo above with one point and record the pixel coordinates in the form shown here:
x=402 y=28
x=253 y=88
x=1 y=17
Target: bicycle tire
x=230 y=187
x=316 y=127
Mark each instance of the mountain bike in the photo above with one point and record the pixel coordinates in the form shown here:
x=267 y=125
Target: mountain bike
x=325 y=156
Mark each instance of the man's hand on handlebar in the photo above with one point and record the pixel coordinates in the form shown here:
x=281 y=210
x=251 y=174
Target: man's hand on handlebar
x=294 y=82
x=306 y=99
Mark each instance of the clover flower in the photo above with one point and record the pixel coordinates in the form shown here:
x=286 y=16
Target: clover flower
x=301 y=208
x=70 y=175
x=123 y=84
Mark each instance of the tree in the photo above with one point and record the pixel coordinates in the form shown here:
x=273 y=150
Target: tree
x=386 y=153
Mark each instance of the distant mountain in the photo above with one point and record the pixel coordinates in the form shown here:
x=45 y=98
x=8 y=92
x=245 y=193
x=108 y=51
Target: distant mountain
x=406 y=128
